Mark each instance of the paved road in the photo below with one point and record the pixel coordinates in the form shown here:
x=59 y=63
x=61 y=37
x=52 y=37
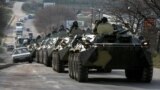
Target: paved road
x=18 y=13
x=17 y=9
x=38 y=77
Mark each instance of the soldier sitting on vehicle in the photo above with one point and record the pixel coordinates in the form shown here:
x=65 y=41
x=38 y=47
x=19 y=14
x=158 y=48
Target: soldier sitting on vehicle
x=75 y=30
x=62 y=28
x=97 y=22
x=104 y=27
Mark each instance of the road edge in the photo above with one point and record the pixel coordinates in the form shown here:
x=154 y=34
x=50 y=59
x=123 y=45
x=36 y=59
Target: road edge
x=3 y=66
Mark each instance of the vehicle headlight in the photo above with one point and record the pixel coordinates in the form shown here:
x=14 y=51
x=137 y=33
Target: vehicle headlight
x=145 y=44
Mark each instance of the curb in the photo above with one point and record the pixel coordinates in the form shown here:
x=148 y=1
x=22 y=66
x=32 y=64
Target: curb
x=3 y=66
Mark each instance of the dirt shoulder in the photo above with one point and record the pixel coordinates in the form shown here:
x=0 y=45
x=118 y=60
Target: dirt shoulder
x=156 y=61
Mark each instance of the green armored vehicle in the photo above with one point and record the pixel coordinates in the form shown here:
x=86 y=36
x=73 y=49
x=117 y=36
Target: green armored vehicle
x=32 y=48
x=38 y=47
x=61 y=52
x=47 y=49
x=119 y=50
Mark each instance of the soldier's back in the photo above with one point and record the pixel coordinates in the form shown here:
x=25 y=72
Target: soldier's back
x=77 y=31
x=105 y=29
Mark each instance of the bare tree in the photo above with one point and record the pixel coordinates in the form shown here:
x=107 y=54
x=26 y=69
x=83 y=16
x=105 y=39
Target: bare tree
x=130 y=14
x=154 y=5
x=52 y=16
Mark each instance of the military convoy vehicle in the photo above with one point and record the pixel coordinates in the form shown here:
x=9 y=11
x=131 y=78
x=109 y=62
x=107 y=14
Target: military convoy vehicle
x=44 y=49
x=37 y=47
x=32 y=47
x=119 y=50
x=47 y=50
x=61 y=52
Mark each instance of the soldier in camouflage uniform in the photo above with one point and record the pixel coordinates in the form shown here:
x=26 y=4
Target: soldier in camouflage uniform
x=104 y=27
x=75 y=30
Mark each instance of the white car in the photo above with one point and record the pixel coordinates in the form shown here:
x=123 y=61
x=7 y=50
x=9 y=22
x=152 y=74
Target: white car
x=21 y=54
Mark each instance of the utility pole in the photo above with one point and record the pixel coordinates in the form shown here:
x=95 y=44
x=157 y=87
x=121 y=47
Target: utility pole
x=92 y=13
x=158 y=42
x=99 y=10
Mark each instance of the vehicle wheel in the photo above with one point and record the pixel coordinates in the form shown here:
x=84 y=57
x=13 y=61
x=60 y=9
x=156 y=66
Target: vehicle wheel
x=31 y=60
x=41 y=60
x=74 y=65
x=59 y=63
x=37 y=56
x=45 y=59
x=82 y=72
x=143 y=75
x=15 y=61
x=147 y=74
x=40 y=57
x=70 y=65
x=53 y=61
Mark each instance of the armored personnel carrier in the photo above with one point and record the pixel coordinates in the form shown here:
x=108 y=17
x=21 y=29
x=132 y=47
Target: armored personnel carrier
x=37 y=47
x=47 y=49
x=32 y=48
x=61 y=52
x=119 y=50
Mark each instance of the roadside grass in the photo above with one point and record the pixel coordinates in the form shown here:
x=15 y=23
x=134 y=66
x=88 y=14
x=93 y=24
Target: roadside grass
x=156 y=60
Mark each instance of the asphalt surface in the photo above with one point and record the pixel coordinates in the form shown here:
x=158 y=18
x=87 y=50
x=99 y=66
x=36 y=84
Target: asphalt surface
x=17 y=10
x=35 y=76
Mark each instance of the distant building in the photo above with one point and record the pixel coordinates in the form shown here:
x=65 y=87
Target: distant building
x=46 y=4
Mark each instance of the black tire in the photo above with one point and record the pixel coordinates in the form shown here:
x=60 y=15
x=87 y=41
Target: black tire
x=82 y=72
x=41 y=56
x=53 y=61
x=143 y=74
x=74 y=66
x=70 y=65
x=58 y=64
x=69 y=57
x=46 y=59
x=31 y=60
x=15 y=61
x=147 y=74
x=37 y=56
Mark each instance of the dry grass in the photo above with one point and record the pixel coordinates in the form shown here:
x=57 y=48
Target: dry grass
x=156 y=61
